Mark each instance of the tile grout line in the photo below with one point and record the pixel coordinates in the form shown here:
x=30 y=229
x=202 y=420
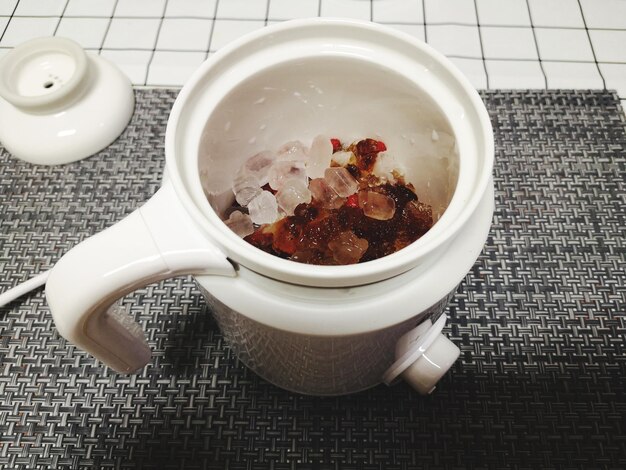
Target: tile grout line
x=426 y=25
x=593 y=50
x=208 y=47
x=156 y=41
x=10 y=18
x=106 y=31
x=532 y=27
x=387 y=22
x=454 y=56
x=67 y=2
x=482 y=49
x=424 y=21
x=267 y=12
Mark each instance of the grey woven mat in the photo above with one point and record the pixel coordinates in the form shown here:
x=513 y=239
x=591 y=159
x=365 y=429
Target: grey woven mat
x=539 y=320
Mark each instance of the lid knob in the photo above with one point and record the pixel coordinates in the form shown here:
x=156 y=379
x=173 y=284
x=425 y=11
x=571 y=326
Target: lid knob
x=43 y=73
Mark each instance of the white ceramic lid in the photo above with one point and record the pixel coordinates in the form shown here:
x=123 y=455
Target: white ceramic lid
x=58 y=104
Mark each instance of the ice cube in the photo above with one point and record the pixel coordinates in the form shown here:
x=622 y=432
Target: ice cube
x=240 y=223
x=246 y=188
x=293 y=192
x=324 y=194
x=234 y=208
x=259 y=166
x=341 y=181
x=263 y=209
x=284 y=170
x=347 y=248
x=320 y=156
x=294 y=151
x=376 y=205
x=386 y=165
x=342 y=157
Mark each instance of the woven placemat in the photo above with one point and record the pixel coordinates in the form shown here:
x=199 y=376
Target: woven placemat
x=539 y=319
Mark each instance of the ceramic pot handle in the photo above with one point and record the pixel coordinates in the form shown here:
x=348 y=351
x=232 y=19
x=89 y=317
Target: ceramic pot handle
x=157 y=241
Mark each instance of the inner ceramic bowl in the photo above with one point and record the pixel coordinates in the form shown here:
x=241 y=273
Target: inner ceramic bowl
x=349 y=99
x=341 y=78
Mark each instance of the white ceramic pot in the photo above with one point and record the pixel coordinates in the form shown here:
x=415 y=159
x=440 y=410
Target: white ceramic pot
x=311 y=329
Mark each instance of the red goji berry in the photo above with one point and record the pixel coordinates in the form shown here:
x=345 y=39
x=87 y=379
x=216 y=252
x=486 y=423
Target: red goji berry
x=352 y=201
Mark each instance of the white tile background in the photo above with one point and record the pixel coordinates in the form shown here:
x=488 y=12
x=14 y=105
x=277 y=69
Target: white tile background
x=496 y=43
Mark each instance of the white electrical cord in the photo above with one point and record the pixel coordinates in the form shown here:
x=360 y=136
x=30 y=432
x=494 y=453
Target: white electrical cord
x=23 y=288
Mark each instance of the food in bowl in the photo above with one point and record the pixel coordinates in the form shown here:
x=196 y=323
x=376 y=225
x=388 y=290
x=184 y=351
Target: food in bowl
x=330 y=204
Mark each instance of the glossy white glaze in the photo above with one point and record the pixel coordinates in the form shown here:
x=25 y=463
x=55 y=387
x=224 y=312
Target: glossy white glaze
x=277 y=302
x=429 y=84
x=59 y=104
